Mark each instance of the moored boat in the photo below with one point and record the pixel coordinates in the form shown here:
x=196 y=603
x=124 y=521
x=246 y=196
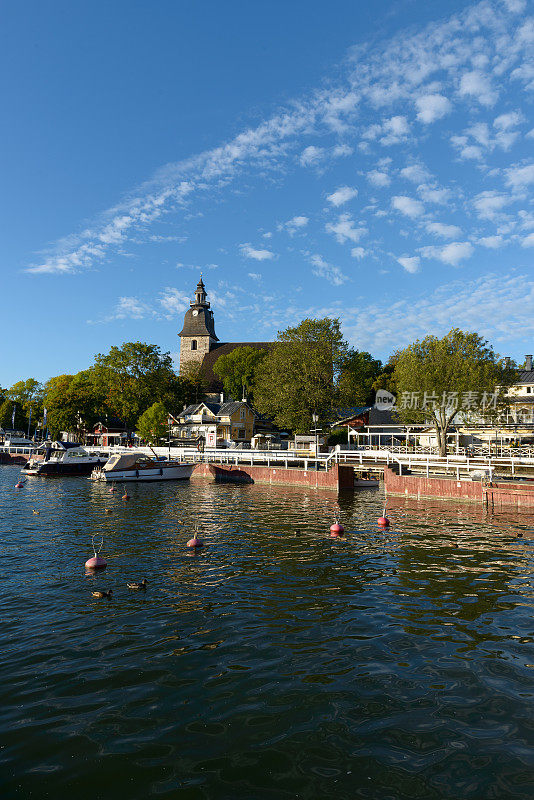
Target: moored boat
x=63 y=458
x=140 y=467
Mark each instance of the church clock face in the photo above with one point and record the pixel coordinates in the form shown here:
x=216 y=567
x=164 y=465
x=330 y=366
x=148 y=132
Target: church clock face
x=195 y=313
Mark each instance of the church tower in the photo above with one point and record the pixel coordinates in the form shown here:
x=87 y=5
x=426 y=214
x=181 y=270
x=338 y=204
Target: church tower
x=197 y=336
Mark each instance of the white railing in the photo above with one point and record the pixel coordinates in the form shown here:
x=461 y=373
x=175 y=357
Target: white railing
x=26 y=451
x=229 y=456
x=422 y=462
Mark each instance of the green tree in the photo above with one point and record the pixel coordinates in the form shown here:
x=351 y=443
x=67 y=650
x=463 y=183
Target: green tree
x=237 y=370
x=298 y=377
x=152 y=425
x=386 y=378
x=73 y=402
x=445 y=369
x=29 y=395
x=6 y=414
x=357 y=374
x=135 y=376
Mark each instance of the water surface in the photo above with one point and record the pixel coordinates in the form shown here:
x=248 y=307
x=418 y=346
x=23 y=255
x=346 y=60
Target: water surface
x=271 y=664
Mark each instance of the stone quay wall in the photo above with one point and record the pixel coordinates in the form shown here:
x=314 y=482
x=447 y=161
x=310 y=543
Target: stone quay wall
x=497 y=494
x=338 y=477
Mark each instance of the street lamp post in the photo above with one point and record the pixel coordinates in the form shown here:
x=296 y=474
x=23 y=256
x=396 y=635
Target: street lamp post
x=315 y=430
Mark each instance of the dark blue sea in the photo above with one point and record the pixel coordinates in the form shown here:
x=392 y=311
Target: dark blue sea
x=274 y=663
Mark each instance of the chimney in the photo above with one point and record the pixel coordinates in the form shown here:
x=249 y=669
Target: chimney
x=528 y=363
x=221 y=397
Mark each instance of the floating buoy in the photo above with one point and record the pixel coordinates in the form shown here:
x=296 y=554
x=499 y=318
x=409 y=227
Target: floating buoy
x=195 y=541
x=96 y=561
x=126 y=496
x=112 y=489
x=336 y=529
x=20 y=484
x=383 y=521
x=36 y=512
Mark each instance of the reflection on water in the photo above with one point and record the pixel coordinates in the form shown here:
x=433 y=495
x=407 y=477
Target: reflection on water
x=275 y=662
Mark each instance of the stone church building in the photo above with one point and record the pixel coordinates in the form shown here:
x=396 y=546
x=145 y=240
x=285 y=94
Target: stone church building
x=199 y=344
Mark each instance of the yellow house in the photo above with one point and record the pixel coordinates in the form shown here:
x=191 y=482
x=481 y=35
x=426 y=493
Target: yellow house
x=218 y=424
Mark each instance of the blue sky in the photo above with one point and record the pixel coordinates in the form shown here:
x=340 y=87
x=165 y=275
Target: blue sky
x=372 y=161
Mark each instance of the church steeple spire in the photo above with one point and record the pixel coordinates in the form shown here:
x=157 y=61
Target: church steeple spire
x=197 y=336
x=200 y=294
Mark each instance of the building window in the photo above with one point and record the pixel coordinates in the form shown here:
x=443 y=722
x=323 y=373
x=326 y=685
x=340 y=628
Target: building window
x=529 y=389
x=241 y=434
x=193 y=344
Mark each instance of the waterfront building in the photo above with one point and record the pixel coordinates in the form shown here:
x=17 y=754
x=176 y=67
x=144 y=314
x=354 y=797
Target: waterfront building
x=199 y=345
x=217 y=424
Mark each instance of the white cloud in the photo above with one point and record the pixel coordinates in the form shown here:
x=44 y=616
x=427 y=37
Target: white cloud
x=342 y=150
x=519 y=177
x=311 y=156
x=407 y=206
x=506 y=121
x=344 y=229
x=174 y=301
x=322 y=269
x=431 y=107
x=357 y=252
x=451 y=253
x=378 y=178
x=443 y=230
x=466 y=51
x=466 y=150
x=528 y=241
x=417 y=173
x=410 y=263
x=489 y=204
x=342 y=195
x=477 y=85
x=293 y=225
x=131 y=308
x=394 y=130
x=491 y=242
x=257 y=254
x=256 y=276
x=433 y=194
x=487 y=305
x=515 y=6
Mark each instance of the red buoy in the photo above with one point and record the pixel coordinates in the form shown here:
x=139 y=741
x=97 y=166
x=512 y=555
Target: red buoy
x=336 y=529
x=383 y=522
x=126 y=496
x=96 y=562
x=195 y=542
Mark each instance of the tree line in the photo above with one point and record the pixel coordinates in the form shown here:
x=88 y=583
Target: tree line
x=309 y=372
x=120 y=385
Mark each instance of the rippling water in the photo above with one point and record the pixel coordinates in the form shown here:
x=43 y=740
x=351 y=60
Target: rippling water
x=271 y=664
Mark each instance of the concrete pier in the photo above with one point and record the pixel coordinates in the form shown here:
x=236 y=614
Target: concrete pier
x=337 y=478
x=494 y=494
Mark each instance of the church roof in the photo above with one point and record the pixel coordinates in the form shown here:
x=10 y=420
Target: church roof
x=214 y=383
x=198 y=321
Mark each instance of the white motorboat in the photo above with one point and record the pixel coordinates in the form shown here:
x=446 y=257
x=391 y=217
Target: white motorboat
x=140 y=467
x=63 y=458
